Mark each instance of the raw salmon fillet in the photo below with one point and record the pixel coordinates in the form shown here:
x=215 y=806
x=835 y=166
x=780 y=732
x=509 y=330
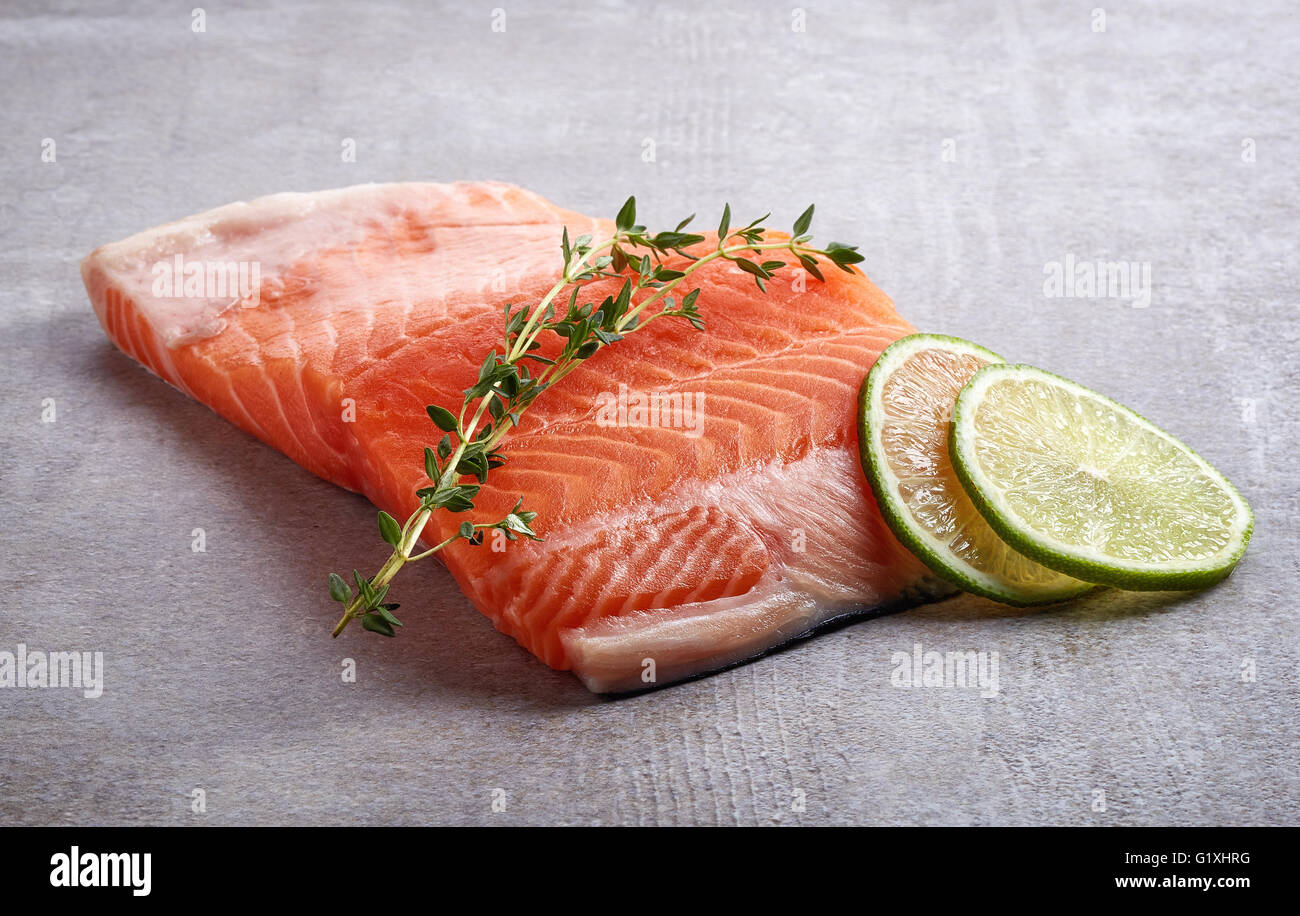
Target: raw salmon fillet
x=669 y=551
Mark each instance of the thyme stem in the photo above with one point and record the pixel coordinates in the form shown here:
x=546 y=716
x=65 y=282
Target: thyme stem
x=506 y=387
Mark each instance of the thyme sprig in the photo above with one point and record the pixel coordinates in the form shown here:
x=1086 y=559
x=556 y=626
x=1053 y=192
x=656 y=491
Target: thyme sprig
x=510 y=380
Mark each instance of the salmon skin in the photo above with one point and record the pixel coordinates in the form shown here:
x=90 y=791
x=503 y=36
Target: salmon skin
x=699 y=494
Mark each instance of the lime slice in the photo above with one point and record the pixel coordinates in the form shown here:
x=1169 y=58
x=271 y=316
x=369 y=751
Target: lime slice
x=1086 y=486
x=905 y=412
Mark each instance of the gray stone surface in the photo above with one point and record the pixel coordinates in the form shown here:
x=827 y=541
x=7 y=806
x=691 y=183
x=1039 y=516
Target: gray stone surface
x=1125 y=144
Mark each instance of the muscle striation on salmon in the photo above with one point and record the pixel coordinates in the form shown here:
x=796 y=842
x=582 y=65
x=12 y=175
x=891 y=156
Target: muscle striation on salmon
x=699 y=494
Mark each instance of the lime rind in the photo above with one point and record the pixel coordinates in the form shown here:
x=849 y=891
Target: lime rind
x=1023 y=582
x=1086 y=561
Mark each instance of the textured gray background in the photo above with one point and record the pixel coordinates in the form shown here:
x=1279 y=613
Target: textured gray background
x=1125 y=144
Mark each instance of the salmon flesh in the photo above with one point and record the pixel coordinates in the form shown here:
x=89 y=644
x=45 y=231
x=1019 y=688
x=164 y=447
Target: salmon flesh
x=699 y=494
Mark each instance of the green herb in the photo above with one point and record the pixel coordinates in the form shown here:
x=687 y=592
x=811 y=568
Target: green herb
x=510 y=380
